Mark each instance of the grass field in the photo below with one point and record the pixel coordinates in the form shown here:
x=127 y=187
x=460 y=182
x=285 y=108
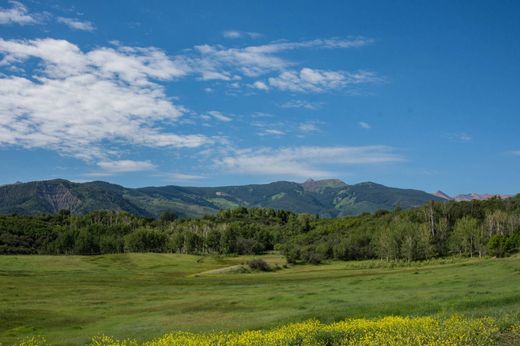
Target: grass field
x=68 y=299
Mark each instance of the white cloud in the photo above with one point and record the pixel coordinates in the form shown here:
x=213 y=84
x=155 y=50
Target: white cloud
x=516 y=153
x=124 y=166
x=313 y=80
x=306 y=161
x=281 y=128
x=462 y=137
x=364 y=125
x=75 y=101
x=262 y=115
x=208 y=62
x=308 y=127
x=76 y=23
x=301 y=104
x=219 y=116
x=220 y=63
x=270 y=127
x=271 y=132
x=178 y=177
x=184 y=177
x=260 y=85
x=17 y=14
x=234 y=34
x=83 y=102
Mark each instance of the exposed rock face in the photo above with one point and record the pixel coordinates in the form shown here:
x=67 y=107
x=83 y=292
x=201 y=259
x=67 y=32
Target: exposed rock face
x=442 y=195
x=58 y=197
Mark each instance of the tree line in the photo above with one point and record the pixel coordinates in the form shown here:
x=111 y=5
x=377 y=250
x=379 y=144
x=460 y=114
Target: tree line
x=436 y=229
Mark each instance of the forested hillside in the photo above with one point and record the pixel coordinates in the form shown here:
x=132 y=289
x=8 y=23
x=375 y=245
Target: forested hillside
x=327 y=198
x=435 y=229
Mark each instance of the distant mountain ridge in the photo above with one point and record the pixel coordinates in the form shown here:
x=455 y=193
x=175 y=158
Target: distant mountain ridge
x=469 y=196
x=328 y=198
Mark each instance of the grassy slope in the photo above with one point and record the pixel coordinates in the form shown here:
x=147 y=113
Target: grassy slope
x=68 y=299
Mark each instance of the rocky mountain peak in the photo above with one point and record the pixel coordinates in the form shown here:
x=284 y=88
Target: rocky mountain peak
x=441 y=194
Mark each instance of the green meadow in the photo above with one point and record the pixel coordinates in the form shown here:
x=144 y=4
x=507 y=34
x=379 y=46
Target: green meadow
x=68 y=299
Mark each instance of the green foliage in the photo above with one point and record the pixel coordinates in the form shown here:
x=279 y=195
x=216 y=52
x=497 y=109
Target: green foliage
x=168 y=216
x=86 y=244
x=146 y=240
x=405 y=239
x=433 y=230
x=259 y=264
x=504 y=245
x=465 y=236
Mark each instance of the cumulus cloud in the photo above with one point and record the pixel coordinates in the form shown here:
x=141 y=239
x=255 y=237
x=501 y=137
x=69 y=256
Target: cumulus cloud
x=93 y=104
x=260 y=85
x=19 y=14
x=76 y=24
x=305 y=161
x=16 y=14
x=364 y=125
x=75 y=102
x=234 y=34
x=313 y=80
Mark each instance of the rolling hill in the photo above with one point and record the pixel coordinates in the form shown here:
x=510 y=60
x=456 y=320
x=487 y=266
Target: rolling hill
x=328 y=198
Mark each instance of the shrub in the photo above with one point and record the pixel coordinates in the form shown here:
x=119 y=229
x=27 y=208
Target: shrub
x=146 y=240
x=259 y=264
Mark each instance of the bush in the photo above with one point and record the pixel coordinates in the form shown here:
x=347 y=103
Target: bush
x=146 y=240
x=86 y=244
x=500 y=245
x=168 y=216
x=259 y=264
x=314 y=258
x=111 y=244
x=310 y=255
x=248 y=246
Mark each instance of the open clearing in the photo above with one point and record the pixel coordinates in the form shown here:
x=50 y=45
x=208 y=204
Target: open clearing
x=68 y=299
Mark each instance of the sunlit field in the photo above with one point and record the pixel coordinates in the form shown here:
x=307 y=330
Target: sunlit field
x=70 y=299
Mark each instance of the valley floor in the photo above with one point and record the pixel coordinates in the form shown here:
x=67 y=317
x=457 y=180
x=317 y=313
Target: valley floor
x=68 y=299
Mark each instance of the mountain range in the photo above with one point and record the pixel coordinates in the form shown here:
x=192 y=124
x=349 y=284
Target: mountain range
x=328 y=198
x=469 y=196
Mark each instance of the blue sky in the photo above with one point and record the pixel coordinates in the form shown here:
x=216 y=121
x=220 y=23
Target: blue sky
x=413 y=94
